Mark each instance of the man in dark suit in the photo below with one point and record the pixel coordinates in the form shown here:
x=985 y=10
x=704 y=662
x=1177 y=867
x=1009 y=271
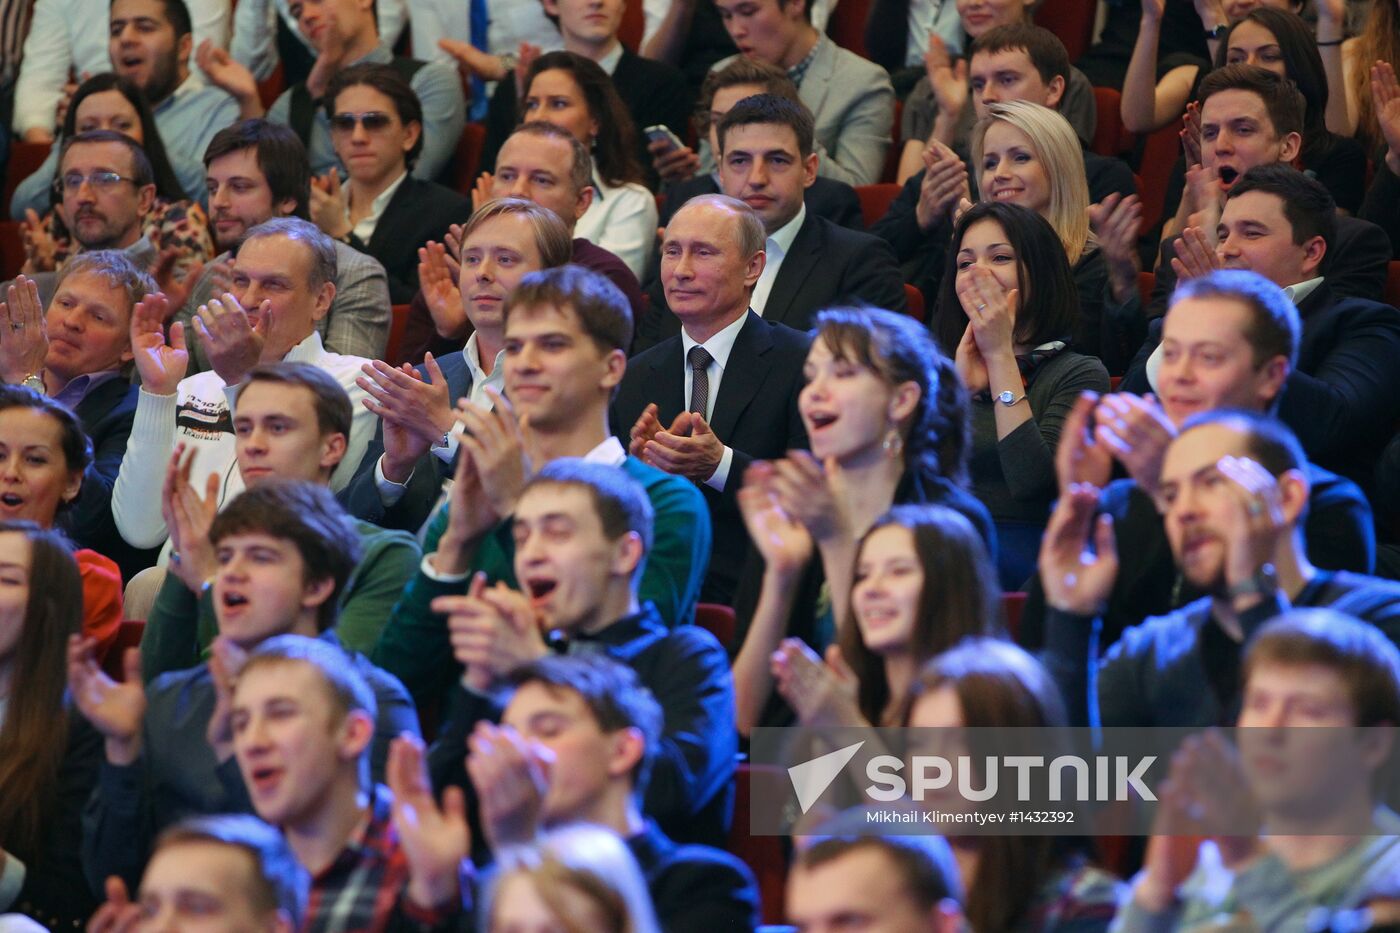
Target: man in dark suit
x=723 y=392
x=381 y=209
x=602 y=729
x=1344 y=394
x=768 y=160
x=1272 y=107
x=679 y=168
x=79 y=354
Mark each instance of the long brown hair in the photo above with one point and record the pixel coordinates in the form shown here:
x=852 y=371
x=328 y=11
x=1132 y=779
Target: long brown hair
x=960 y=597
x=1379 y=41
x=615 y=148
x=34 y=736
x=999 y=685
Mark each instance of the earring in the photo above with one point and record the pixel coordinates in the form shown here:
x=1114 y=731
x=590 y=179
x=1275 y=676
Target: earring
x=893 y=444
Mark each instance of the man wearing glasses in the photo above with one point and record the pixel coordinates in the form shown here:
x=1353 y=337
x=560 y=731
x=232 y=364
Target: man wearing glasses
x=108 y=188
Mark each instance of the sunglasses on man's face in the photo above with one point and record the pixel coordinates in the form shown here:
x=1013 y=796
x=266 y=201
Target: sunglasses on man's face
x=373 y=122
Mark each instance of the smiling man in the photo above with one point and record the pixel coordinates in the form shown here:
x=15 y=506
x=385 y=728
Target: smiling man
x=707 y=402
x=284 y=552
x=1253 y=117
x=1230 y=341
x=292 y=421
x=582 y=533
x=566 y=333
x=256 y=171
x=1284 y=226
x=79 y=354
x=1233 y=491
x=282 y=284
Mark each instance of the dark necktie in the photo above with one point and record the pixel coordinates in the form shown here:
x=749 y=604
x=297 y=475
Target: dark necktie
x=699 y=359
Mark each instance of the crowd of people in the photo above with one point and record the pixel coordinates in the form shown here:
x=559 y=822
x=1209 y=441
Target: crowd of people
x=417 y=497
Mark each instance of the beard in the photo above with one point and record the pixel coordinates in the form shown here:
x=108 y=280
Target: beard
x=165 y=77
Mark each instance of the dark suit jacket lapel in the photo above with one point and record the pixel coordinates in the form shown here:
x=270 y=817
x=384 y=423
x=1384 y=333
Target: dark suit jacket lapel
x=402 y=207
x=743 y=375
x=666 y=378
x=1320 y=297
x=797 y=268
x=100 y=402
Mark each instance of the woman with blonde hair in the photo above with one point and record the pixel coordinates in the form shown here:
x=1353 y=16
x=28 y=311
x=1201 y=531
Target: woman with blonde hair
x=1351 y=111
x=1027 y=154
x=576 y=879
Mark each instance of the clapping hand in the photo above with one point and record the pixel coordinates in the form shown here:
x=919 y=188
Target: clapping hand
x=161 y=365
x=436 y=840
x=24 y=339
x=330 y=205
x=188 y=518
x=492 y=630
x=1117 y=223
x=822 y=694
x=944 y=185
x=40 y=248
x=947 y=77
x=232 y=341
x=511 y=775
x=1076 y=579
x=1080 y=458
x=1136 y=431
x=438 y=276
x=114 y=708
x=416 y=413
x=990 y=311
x=1385 y=94
x=782 y=541
x=117 y=914
x=1195 y=254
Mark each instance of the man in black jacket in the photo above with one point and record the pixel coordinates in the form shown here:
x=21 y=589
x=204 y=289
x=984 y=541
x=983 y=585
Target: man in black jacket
x=767 y=160
x=582 y=531
x=1231 y=341
x=79 y=353
x=1283 y=225
x=577 y=741
x=751 y=373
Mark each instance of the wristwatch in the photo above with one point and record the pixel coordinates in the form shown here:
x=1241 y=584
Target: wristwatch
x=1009 y=398
x=34 y=381
x=1218 y=32
x=441 y=444
x=1263 y=583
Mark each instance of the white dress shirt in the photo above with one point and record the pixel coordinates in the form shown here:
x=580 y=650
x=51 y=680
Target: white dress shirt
x=365 y=228
x=775 y=248
x=623 y=221
x=1296 y=293
x=511 y=23
x=391 y=492
x=719 y=347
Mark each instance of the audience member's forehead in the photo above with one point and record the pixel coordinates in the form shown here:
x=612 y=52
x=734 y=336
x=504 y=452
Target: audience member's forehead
x=286 y=677
x=530 y=149
x=200 y=864
x=276 y=398
x=127 y=9
x=752 y=136
x=1205 y=443
x=1253 y=204
x=106 y=155
x=704 y=221
x=1003 y=58
x=94 y=287
x=1205 y=309
x=1233 y=102
x=545 y=498
x=274 y=254
x=553 y=317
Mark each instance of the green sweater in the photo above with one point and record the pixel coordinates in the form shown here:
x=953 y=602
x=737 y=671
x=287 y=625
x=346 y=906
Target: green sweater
x=1267 y=896
x=415 y=646
x=388 y=560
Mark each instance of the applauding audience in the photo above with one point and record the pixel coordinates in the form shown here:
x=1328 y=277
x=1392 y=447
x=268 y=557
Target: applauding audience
x=1324 y=847
x=1230 y=341
x=285 y=551
x=257 y=171
x=577 y=743
x=285 y=282
x=582 y=533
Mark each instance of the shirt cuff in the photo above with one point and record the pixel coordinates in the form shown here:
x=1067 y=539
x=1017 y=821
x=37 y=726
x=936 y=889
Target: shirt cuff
x=721 y=473
x=449 y=453
x=432 y=573
x=390 y=492
x=12 y=877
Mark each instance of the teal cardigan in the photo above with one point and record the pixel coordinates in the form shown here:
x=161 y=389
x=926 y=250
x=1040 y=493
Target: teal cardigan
x=414 y=646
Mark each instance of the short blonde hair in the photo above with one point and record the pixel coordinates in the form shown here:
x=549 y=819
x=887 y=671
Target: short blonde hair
x=1058 y=148
x=551 y=236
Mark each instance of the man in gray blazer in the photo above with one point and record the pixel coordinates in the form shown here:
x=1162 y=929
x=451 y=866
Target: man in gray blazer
x=851 y=98
x=258 y=170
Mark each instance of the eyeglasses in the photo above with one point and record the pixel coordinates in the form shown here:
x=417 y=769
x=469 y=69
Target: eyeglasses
x=373 y=122
x=100 y=181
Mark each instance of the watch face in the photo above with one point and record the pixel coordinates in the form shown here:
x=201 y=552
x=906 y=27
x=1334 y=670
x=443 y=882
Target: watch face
x=1006 y=397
